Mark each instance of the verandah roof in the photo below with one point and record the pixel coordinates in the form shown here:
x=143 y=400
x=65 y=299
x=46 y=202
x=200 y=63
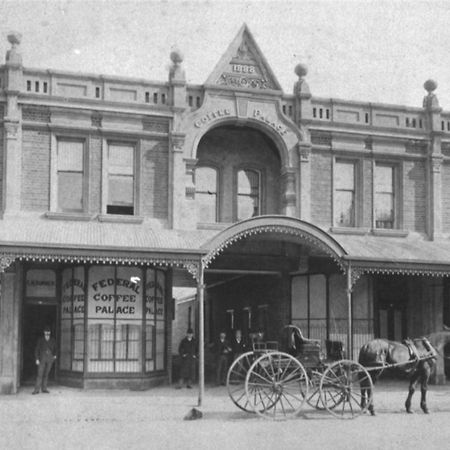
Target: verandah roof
x=142 y=242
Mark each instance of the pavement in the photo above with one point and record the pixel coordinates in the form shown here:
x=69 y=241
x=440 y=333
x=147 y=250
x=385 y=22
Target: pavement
x=69 y=418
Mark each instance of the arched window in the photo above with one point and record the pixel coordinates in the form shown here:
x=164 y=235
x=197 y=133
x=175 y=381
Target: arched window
x=206 y=194
x=248 y=194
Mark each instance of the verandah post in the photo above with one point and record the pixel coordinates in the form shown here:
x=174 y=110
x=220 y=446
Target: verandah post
x=201 y=333
x=349 y=312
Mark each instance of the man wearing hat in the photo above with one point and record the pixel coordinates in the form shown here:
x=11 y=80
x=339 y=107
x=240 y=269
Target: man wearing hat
x=188 y=354
x=45 y=355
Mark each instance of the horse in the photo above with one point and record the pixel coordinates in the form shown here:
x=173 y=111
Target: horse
x=415 y=357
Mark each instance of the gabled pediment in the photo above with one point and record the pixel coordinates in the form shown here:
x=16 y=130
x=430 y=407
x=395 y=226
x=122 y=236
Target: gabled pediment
x=244 y=66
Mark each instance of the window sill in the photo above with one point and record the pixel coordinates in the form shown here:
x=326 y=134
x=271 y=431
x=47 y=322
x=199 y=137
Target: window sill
x=118 y=218
x=390 y=232
x=68 y=216
x=349 y=230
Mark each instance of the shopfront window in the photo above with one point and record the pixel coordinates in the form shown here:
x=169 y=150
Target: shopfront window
x=126 y=335
x=114 y=320
x=72 y=319
x=155 y=320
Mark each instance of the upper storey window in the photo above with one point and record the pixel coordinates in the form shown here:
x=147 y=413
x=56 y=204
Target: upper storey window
x=70 y=175
x=384 y=196
x=121 y=179
x=206 y=194
x=344 y=195
x=248 y=194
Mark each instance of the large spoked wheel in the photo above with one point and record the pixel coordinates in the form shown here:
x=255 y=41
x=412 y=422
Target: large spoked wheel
x=276 y=386
x=342 y=387
x=236 y=380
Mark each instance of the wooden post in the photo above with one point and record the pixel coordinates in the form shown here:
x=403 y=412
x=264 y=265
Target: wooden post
x=201 y=333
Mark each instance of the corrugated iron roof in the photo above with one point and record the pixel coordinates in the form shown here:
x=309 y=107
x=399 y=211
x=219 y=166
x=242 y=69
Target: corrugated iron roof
x=146 y=237
x=98 y=235
x=413 y=248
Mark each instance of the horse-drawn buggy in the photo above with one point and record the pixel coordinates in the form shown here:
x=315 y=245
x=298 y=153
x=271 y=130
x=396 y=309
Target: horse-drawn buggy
x=276 y=384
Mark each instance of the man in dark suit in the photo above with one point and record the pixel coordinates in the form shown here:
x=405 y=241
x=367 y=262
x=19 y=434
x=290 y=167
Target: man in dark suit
x=238 y=344
x=45 y=355
x=223 y=352
x=188 y=354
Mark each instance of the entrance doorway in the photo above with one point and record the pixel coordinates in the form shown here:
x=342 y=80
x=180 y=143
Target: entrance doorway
x=35 y=318
x=391 y=300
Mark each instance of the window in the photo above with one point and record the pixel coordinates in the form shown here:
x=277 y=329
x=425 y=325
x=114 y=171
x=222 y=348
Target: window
x=70 y=175
x=344 y=194
x=72 y=320
x=120 y=179
x=248 y=194
x=206 y=194
x=384 y=196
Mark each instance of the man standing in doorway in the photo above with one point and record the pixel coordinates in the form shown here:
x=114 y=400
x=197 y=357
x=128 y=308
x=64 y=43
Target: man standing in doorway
x=223 y=352
x=238 y=345
x=45 y=355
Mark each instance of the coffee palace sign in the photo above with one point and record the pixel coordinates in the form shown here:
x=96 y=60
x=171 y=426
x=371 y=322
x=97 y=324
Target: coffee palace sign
x=257 y=114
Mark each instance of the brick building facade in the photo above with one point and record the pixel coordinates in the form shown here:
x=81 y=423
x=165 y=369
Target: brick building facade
x=279 y=208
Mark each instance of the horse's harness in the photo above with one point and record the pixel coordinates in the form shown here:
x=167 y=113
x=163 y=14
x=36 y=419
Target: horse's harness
x=414 y=355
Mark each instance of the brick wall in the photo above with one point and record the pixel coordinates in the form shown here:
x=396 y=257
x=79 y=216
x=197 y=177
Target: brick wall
x=321 y=189
x=35 y=170
x=414 y=196
x=95 y=174
x=154 y=180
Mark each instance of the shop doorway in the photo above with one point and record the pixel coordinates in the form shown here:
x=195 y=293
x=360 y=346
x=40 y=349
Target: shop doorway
x=35 y=318
x=391 y=300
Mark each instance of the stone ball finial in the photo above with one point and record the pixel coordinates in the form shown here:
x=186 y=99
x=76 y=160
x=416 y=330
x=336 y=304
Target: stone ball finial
x=14 y=38
x=301 y=70
x=430 y=86
x=176 y=56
